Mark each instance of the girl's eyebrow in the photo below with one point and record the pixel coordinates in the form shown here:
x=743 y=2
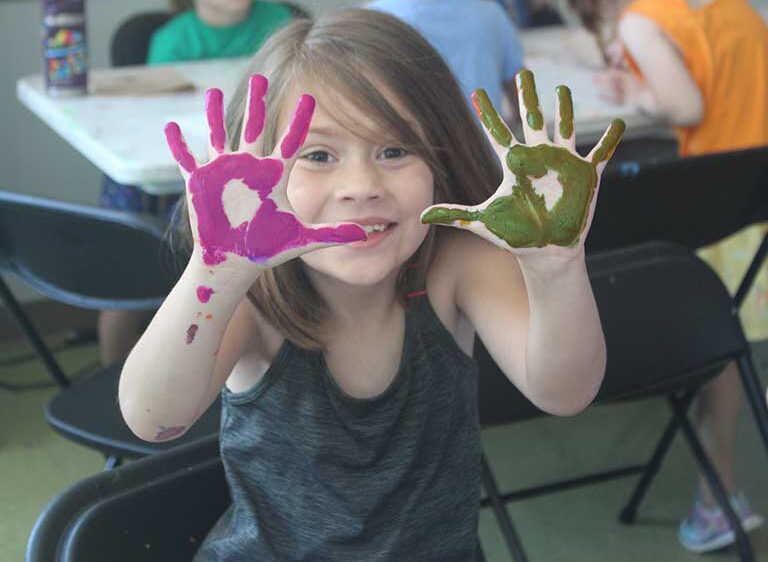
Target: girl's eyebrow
x=328 y=131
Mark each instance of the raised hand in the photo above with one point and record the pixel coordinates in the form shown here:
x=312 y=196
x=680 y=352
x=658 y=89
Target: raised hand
x=548 y=193
x=237 y=201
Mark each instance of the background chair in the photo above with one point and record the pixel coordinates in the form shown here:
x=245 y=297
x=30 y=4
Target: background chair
x=96 y=259
x=670 y=324
x=157 y=509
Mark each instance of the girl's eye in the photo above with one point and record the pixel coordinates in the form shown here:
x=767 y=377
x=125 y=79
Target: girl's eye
x=393 y=152
x=318 y=156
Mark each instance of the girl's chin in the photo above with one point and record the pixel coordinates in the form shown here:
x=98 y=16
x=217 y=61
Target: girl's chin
x=356 y=275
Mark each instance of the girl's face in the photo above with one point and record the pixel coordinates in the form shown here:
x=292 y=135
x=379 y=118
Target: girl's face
x=342 y=177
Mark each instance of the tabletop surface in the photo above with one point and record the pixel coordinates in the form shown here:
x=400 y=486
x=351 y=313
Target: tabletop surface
x=123 y=135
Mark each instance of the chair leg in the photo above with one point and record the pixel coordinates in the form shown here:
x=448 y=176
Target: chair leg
x=33 y=336
x=754 y=392
x=502 y=517
x=680 y=408
x=628 y=514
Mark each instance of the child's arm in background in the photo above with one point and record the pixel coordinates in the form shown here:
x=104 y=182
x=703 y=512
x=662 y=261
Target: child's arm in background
x=530 y=299
x=668 y=90
x=194 y=341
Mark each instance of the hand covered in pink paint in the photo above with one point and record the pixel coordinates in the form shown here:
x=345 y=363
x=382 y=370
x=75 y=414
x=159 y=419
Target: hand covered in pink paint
x=237 y=202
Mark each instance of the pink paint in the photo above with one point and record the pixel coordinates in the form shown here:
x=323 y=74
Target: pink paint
x=270 y=232
x=191 y=333
x=166 y=433
x=254 y=122
x=299 y=127
x=214 y=112
x=204 y=293
x=179 y=148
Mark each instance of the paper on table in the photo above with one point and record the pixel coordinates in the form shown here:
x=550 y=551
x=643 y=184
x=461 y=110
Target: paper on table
x=138 y=80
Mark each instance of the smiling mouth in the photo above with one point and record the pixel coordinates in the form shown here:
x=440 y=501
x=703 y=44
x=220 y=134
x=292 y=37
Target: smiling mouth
x=374 y=228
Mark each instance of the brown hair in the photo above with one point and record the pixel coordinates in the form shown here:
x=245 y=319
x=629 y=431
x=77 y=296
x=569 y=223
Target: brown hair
x=355 y=53
x=178 y=6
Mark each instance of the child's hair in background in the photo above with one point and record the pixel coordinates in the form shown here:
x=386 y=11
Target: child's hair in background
x=351 y=55
x=179 y=6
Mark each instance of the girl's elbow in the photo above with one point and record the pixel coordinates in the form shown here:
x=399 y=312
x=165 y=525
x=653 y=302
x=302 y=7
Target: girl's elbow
x=143 y=425
x=568 y=407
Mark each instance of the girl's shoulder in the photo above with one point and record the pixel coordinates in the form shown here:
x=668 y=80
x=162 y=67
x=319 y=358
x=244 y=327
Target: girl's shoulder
x=459 y=272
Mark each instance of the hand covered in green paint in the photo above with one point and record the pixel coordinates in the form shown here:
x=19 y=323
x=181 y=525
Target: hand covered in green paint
x=548 y=193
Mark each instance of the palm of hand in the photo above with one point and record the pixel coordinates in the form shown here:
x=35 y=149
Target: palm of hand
x=273 y=234
x=519 y=215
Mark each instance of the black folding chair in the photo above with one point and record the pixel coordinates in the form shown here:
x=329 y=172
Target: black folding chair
x=670 y=324
x=95 y=259
x=157 y=509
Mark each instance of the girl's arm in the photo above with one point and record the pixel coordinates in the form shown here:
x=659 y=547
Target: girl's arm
x=668 y=91
x=529 y=297
x=537 y=317
x=191 y=346
x=184 y=357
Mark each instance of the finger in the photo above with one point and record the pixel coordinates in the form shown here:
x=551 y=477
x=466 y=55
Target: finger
x=255 y=114
x=604 y=149
x=298 y=128
x=530 y=111
x=498 y=132
x=564 y=133
x=214 y=112
x=459 y=216
x=179 y=149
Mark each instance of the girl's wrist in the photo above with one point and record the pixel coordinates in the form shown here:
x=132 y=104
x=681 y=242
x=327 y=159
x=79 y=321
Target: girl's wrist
x=228 y=280
x=548 y=267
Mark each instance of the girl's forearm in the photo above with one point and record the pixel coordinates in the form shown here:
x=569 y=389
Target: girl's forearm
x=167 y=377
x=565 y=353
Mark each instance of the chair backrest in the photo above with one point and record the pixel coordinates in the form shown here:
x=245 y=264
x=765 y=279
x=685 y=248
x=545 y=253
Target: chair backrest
x=85 y=256
x=159 y=508
x=130 y=42
x=693 y=201
x=667 y=320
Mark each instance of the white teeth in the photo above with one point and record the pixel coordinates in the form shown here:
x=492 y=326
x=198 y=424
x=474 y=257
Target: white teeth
x=375 y=228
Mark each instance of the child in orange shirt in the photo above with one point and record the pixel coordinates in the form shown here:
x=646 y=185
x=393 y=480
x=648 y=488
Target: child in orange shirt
x=702 y=65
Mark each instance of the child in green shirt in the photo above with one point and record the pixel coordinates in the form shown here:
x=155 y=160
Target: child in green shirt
x=217 y=29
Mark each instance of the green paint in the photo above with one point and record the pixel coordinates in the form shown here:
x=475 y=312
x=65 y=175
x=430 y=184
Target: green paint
x=609 y=142
x=522 y=219
x=527 y=86
x=490 y=118
x=565 y=103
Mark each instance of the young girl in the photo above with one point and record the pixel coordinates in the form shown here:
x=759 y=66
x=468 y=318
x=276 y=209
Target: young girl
x=702 y=65
x=339 y=327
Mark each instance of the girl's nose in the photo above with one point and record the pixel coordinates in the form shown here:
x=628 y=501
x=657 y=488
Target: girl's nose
x=361 y=183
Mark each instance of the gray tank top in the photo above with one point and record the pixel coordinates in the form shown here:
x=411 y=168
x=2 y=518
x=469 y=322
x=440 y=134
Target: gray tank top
x=317 y=475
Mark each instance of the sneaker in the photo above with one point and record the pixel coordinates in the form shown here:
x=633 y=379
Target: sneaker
x=707 y=529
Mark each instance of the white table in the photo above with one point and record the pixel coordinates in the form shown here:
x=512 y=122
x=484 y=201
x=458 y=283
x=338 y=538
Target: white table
x=123 y=135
